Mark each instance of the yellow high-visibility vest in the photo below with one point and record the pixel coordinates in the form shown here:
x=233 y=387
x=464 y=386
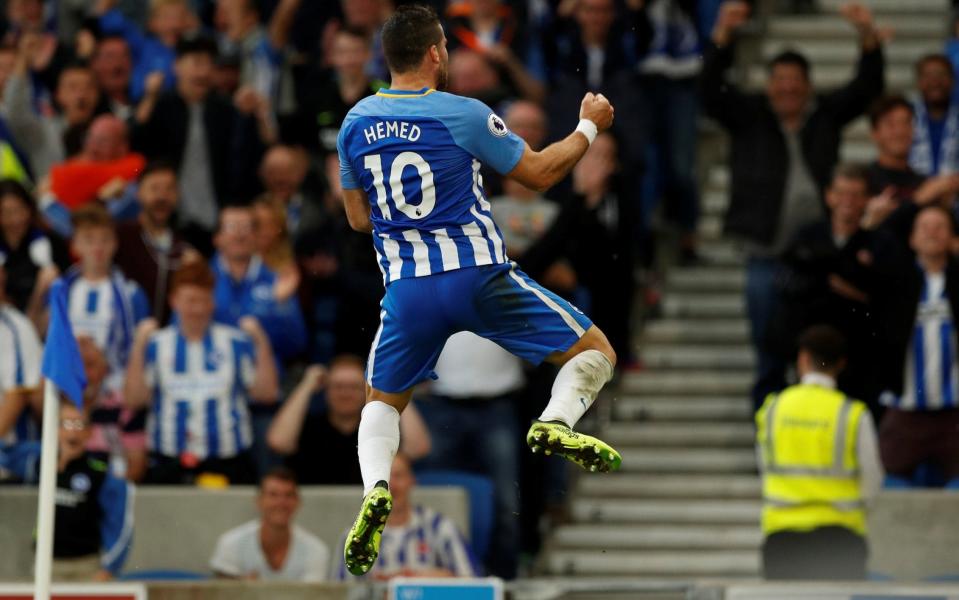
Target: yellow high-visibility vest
x=10 y=166
x=807 y=439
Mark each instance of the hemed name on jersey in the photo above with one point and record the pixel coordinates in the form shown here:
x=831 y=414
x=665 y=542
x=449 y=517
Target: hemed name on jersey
x=396 y=129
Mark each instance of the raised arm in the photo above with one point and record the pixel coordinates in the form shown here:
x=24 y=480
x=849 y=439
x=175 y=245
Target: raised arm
x=544 y=169
x=283 y=436
x=136 y=388
x=853 y=99
x=722 y=100
x=265 y=387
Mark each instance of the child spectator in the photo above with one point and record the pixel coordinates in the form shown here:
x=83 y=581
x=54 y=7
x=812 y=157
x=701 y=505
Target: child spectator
x=196 y=378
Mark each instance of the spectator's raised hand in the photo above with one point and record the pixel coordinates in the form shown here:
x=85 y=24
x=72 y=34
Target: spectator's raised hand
x=879 y=207
x=732 y=16
x=858 y=15
x=153 y=84
x=597 y=109
x=85 y=44
x=246 y=100
x=251 y=326
x=145 y=329
x=314 y=378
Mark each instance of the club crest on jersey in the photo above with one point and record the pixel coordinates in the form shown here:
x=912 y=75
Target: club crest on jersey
x=496 y=125
x=80 y=482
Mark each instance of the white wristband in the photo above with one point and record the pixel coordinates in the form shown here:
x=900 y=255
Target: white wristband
x=589 y=129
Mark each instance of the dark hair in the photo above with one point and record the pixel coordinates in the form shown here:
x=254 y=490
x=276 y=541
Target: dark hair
x=825 y=345
x=111 y=37
x=932 y=58
x=854 y=171
x=936 y=207
x=156 y=166
x=347 y=360
x=195 y=273
x=196 y=45
x=12 y=187
x=885 y=105
x=74 y=65
x=353 y=31
x=281 y=473
x=91 y=215
x=408 y=34
x=790 y=57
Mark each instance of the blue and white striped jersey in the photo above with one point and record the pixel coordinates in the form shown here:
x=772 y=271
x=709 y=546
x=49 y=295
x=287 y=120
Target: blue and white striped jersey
x=931 y=370
x=107 y=311
x=20 y=357
x=199 y=392
x=417 y=155
x=428 y=541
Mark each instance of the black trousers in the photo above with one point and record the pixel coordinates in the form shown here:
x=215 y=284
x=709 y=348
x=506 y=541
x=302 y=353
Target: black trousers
x=830 y=553
x=167 y=470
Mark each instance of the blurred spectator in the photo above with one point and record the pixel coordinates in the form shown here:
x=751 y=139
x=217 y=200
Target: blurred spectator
x=471 y=74
x=590 y=43
x=214 y=145
x=247 y=287
x=48 y=139
x=342 y=283
x=284 y=174
x=260 y=49
x=272 y=547
x=473 y=424
x=20 y=355
x=94 y=510
x=935 y=148
x=305 y=437
x=417 y=541
x=101 y=302
x=529 y=121
x=892 y=181
x=154 y=52
x=820 y=468
x=367 y=16
x=112 y=66
x=669 y=70
x=30 y=17
x=329 y=94
x=33 y=257
x=492 y=29
x=274 y=247
x=919 y=365
x=116 y=432
x=102 y=171
x=784 y=146
x=830 y=277
x=196 y=378
x=152 y=249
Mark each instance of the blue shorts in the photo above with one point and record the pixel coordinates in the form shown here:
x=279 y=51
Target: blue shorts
x=497 y=302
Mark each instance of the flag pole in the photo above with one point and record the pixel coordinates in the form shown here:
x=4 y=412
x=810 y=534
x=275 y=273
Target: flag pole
x=48 y=484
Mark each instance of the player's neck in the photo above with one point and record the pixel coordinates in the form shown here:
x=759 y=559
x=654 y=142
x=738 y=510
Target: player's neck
x=412 y=82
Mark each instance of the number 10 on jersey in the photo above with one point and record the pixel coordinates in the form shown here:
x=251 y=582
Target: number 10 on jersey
x=374 y=163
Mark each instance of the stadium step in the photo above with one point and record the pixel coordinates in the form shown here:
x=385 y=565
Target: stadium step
x=647 y=485
x=907 y=26
x=707 y=278
x=652 y=563
x=721 y=253
x=687 y=460
x=682 y=408
x=663 y=537
x=703 y=306
x=660 y=383
x=685 y=435
x=937 y=8
x=705 y=512
x=846 y=51
x=678 y=331
x=670 y=356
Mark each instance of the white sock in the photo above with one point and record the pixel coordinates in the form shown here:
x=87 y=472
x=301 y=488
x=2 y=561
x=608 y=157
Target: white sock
x=379 y=439
x=576 y=387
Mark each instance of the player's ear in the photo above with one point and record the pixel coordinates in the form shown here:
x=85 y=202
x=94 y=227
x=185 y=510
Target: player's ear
x=435 y=54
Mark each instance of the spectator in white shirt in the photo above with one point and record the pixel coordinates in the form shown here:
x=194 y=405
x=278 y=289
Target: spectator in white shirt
x=272 y=548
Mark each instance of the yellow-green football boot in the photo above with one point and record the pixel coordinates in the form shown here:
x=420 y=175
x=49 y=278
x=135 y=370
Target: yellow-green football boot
x=363 y=542
x=586 y=451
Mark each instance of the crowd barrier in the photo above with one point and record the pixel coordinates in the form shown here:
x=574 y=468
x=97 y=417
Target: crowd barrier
x=176 y=528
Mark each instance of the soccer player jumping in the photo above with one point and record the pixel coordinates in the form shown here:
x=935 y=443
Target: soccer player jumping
x=410 y=168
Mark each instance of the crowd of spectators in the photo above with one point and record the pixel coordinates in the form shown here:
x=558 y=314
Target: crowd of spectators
x=172 y=165
x=868 y=249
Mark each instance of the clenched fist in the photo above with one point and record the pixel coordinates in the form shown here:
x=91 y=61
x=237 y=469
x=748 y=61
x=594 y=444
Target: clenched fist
x=597 y=109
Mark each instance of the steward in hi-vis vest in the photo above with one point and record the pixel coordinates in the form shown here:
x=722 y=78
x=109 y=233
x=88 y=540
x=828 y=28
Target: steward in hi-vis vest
x=820 y=465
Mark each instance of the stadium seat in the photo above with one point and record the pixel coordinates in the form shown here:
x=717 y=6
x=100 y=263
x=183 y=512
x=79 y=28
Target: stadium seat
x=163 y=575
x=480 y=490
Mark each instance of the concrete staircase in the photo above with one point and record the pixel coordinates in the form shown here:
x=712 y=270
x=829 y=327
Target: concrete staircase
x=686 y=503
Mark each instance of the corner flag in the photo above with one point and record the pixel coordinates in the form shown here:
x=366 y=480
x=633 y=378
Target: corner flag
x=61 y=356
